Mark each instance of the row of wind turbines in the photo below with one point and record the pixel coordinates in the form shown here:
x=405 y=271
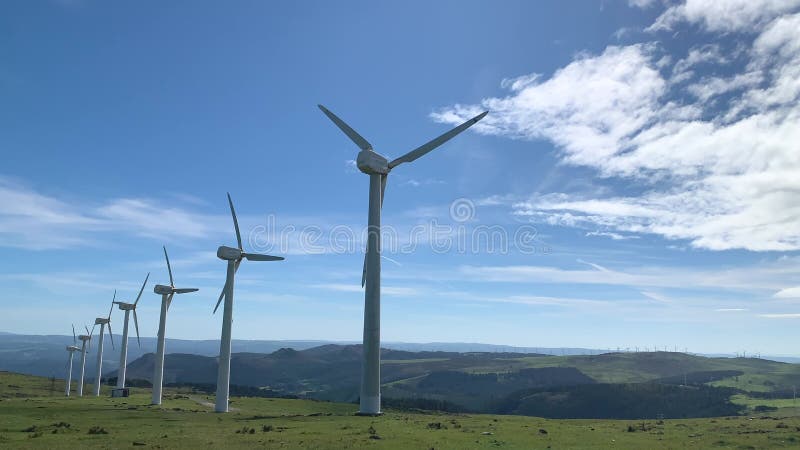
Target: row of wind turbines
x=369 y=162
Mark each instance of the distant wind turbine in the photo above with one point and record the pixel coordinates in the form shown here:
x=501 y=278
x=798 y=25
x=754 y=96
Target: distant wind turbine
x=86 y=341
x=166 y=299
x=71 y=349
x=378 y=168
x=123 y=354
x=103 y=321
x=234 y=257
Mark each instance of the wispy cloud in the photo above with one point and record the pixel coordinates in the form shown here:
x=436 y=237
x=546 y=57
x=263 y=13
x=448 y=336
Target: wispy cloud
x=386 y=290
x=712 y=158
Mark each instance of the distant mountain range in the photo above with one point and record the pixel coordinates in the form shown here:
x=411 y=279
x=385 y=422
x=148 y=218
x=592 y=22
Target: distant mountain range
x=45 y=355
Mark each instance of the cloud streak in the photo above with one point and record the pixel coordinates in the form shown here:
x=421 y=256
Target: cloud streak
x=713 y=159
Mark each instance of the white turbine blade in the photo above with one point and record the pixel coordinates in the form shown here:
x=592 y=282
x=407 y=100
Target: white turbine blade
x=92 y=332
x=383 y=186
x=74 y=337
x=235 y=222
x=432 y=144
x=222 y=295
x=351 y=133
x=141 y=290
x=183 y=290
x=364 y=270
x=260 y=257
x=112 y=304
x=169 y=300
x=171 y=282
x=136 y=325
x=110 y=335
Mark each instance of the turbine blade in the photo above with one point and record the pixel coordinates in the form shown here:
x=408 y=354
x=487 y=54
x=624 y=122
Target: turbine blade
x=260 y=257
x=112 y=304
x=364 y=271
x=169 y=268
x=183 y=291
x=221 y=295
x=141 y=290
x=384 y=177
x=235 y=223
x=74 y=337
x=87 y=330
x=169 y=300
x=136 y=325
x=351 y=133
x=111 y=335
x=432 y=144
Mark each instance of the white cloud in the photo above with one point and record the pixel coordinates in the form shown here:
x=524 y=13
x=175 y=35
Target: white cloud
x=36 y=221
x=614 y=236
x=781 y=316
x=724 y=15
x=792 y=292
x=719 y=169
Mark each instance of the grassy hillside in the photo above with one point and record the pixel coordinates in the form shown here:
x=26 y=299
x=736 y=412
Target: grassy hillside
x=31 y=418
x=479 y=382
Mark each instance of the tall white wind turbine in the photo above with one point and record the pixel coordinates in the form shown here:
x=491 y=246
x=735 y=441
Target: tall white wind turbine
x=86 y=341
x=103 y=321
x=166 y=299
x=123 y=354
x=234 y=257
x=378 y=168
x=71 y=349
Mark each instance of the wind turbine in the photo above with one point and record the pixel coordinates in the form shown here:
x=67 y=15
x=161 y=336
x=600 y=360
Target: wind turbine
x=71 y=349
x=86 y=341
x=378 y=168
x=123 y=357
x=166 y=299
x=234 y=257
x=103 y=321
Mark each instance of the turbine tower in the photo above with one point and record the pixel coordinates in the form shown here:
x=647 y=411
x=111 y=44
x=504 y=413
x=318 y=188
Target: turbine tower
x=234 y=257
x=123 y=354
x=86 y=341
x=71 y=349
x=378 y=168
x=103 y=321
x=166 y=299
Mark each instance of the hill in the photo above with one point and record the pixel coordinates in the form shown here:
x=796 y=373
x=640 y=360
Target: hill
x=34 y=417
x=482 y=382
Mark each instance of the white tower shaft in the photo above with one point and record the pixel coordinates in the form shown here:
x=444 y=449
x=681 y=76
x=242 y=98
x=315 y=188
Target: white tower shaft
x=158 y=376
x=69 y=373
x=224 y=374
x=123 y=354
x=99 y=360
x=370 y=402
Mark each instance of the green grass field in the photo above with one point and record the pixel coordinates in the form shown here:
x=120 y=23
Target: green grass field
x=33 y=416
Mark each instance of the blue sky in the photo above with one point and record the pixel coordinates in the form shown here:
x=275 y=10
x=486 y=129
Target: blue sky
x=651 y=146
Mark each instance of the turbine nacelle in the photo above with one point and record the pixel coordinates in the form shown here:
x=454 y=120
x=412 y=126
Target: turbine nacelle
x=125 y=306
x=84 y=337
x=72 y=348
x=101 y=321
x=372 y=163
x=229 y=253
x=160 y=289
